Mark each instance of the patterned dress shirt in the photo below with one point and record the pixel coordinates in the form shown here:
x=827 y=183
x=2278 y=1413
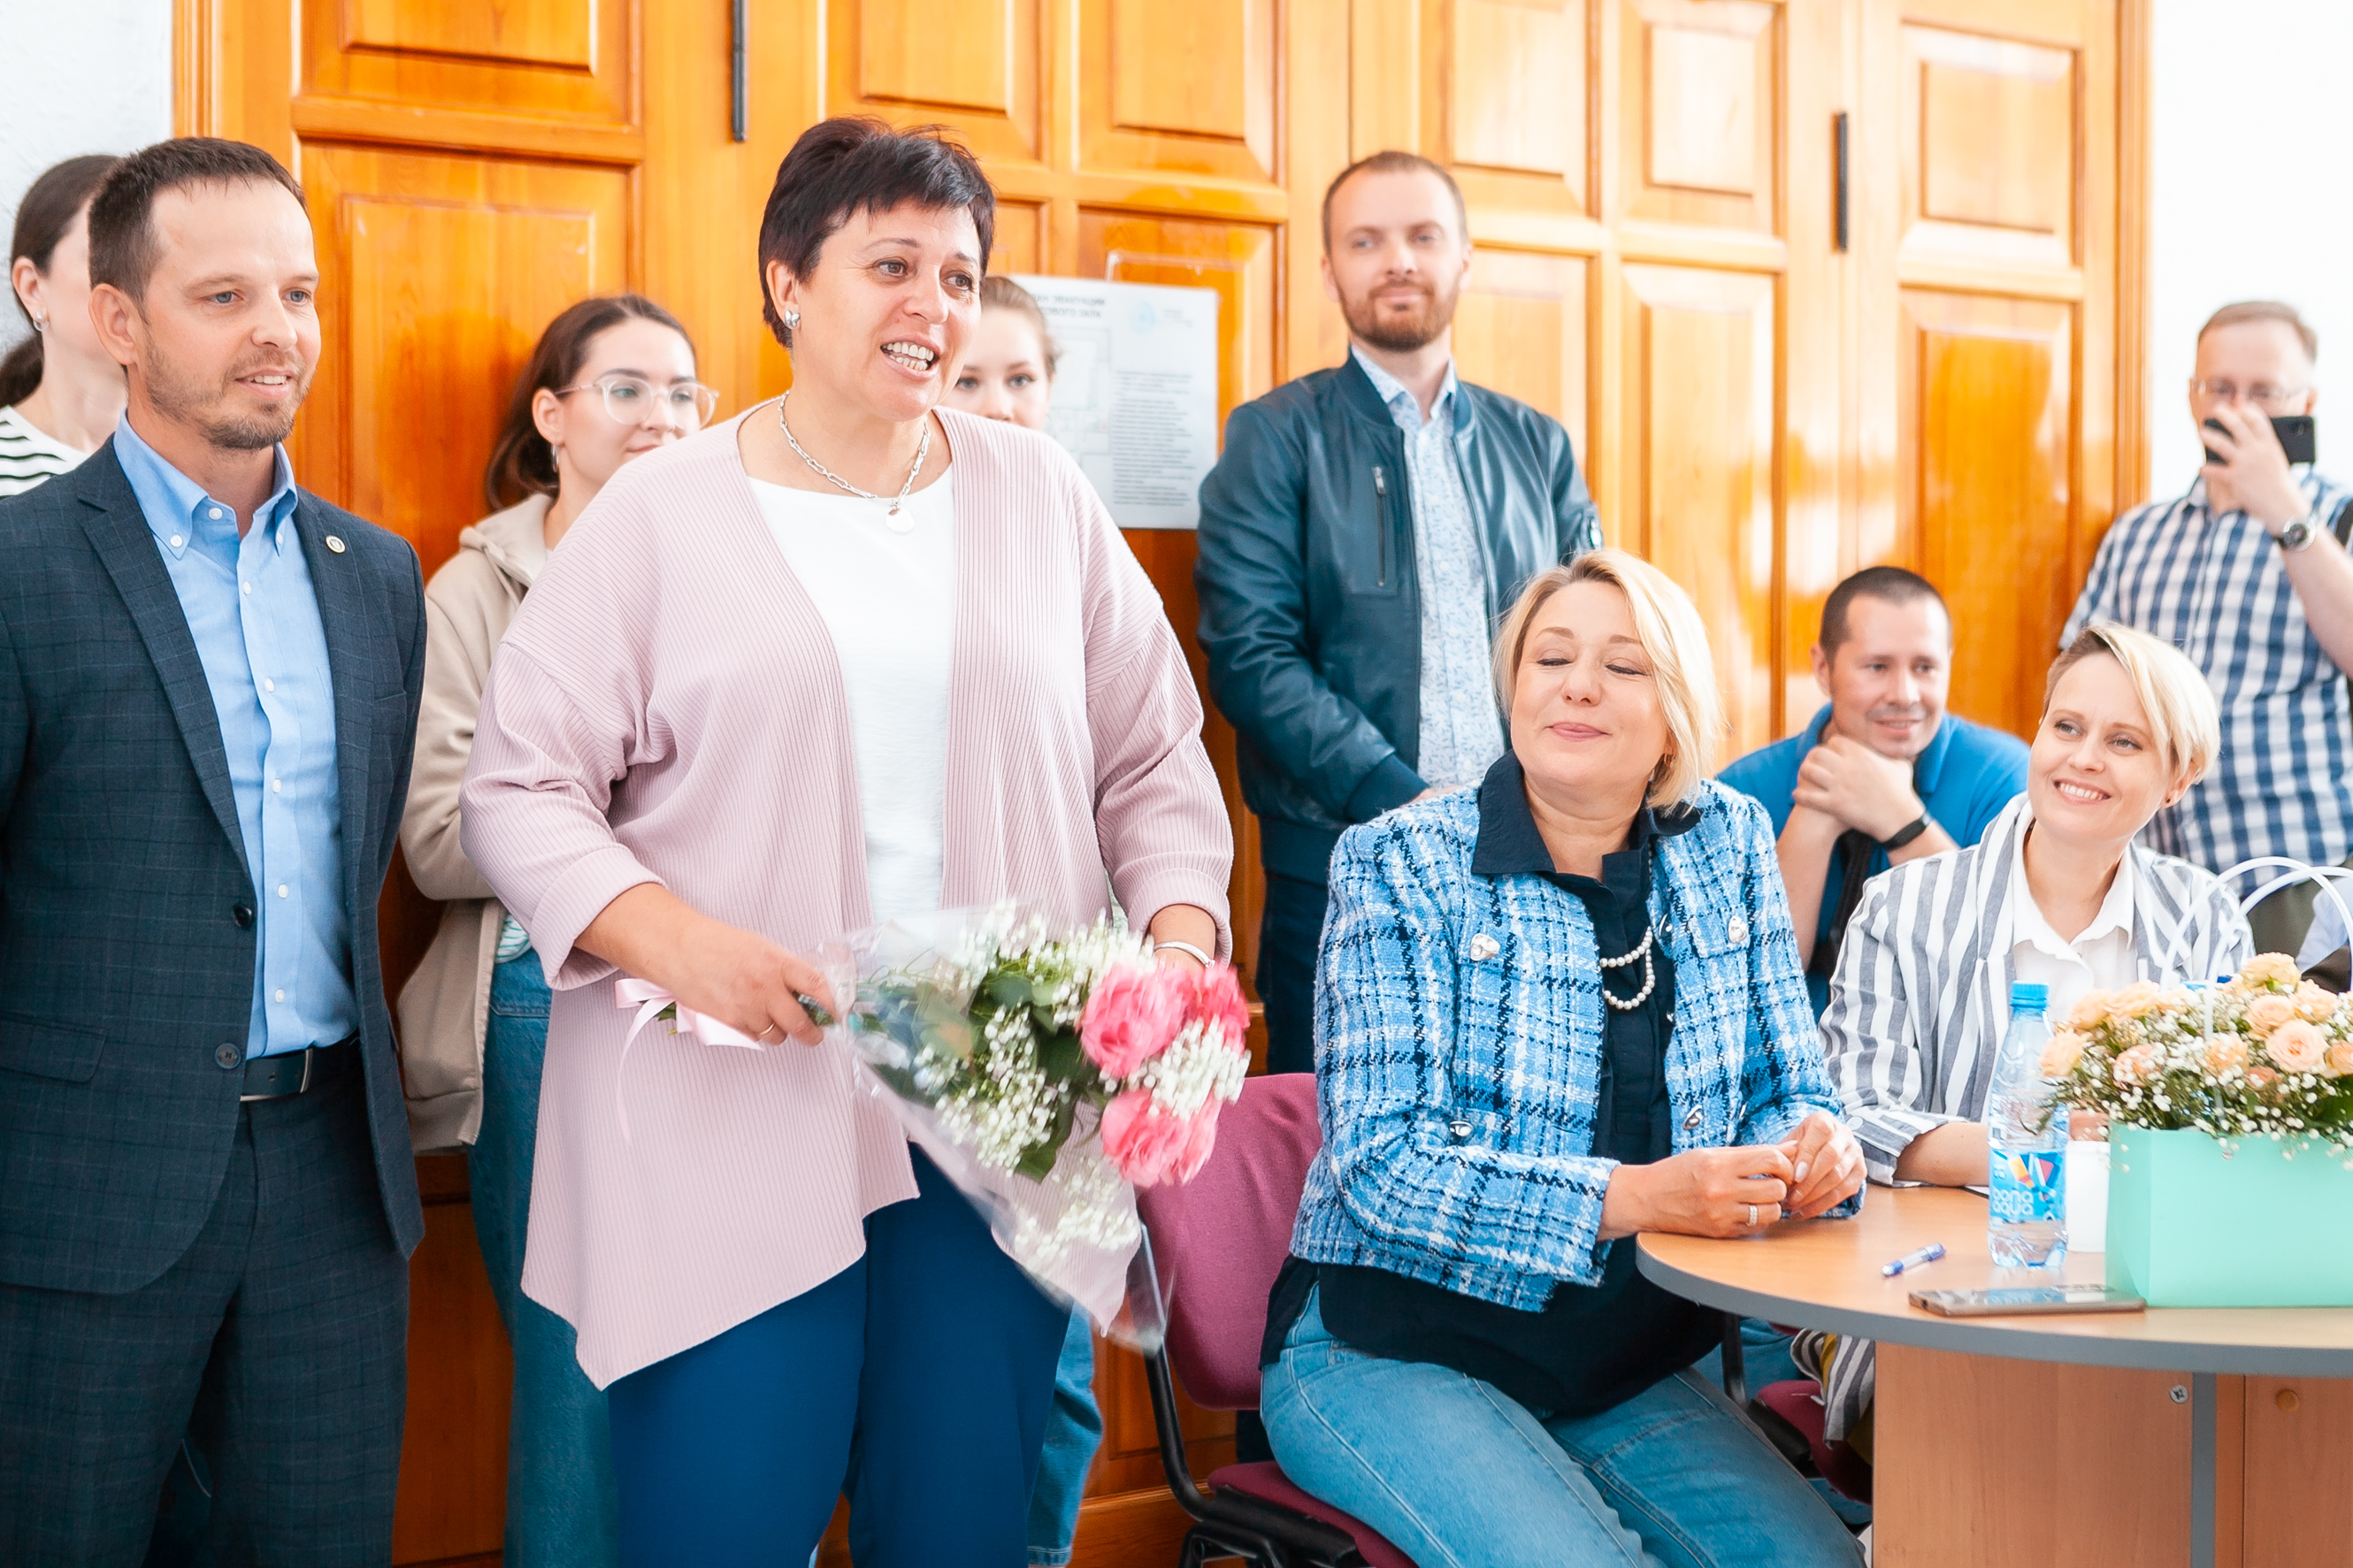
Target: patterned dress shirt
x=1462 y=732
x=2216 y=587
x=255 y=619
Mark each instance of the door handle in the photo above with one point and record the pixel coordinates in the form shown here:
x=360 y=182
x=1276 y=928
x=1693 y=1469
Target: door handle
x=740 y=73
x=1838 y=174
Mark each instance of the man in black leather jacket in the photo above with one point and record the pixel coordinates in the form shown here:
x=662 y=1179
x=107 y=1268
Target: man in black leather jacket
x=1361 y=535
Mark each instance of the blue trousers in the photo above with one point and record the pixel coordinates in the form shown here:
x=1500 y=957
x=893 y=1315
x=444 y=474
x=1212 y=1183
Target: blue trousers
x=1456 y=1472
x=1073 y=1432
x=562 y=1507
x=916 y=1380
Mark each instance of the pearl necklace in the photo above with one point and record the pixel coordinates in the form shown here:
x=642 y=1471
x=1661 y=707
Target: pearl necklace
x=1650 y=975
x=923 y=450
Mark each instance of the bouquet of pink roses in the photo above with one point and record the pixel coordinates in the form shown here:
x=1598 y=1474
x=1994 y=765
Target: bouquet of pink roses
x=1049 y=1078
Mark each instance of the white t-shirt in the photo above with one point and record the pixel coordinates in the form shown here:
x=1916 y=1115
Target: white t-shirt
x=29 y=455
x=2099 y=959
x=888 y=595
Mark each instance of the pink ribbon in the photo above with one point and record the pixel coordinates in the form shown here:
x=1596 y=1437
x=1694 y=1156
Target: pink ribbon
x=650 y=999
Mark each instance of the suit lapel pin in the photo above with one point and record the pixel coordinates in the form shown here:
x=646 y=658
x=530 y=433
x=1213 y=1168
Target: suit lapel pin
x=1484 y=947
x=334 y=545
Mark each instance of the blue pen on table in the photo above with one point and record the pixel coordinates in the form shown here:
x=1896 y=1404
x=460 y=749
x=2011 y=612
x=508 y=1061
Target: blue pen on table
x=1926 y=1255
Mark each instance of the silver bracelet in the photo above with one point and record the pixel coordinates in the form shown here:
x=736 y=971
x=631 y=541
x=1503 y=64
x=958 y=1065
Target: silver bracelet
x=1186 y=948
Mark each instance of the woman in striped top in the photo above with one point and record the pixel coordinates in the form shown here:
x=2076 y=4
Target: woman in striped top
x=60 y=394
x=846 y=658
x=2056 y=893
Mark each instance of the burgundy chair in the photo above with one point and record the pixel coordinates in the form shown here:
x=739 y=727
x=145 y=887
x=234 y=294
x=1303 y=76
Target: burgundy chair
x=1219 y=1241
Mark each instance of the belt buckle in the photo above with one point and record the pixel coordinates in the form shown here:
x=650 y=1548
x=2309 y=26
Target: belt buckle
x=303 y=1087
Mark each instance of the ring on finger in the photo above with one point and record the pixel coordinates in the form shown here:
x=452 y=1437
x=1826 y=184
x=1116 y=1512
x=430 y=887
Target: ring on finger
x=1752 y=1214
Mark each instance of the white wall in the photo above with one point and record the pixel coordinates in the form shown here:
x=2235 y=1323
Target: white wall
x=2251 y=197
x=83 y=76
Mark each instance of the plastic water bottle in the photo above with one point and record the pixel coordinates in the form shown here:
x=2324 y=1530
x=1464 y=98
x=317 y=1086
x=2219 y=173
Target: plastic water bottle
x=2026 y=1134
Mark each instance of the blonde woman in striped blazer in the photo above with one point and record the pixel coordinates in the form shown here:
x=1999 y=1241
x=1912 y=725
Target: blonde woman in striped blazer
x=2055 y=892
x=846 y=658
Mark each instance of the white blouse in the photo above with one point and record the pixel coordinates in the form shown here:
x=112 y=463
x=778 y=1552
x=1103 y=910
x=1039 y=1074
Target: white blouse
x=887 y=596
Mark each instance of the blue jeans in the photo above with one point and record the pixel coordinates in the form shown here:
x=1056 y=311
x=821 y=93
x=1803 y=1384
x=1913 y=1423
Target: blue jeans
x=563 y=1509
x=1459 y=1475
x=1073 y=1430
x=916 y=1381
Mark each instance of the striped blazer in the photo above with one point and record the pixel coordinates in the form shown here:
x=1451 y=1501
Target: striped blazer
x=1921 y=998
x=667 y=707
x=1459 y=1038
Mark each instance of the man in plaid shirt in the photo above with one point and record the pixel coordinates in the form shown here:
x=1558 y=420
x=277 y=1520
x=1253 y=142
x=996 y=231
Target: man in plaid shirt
x=2248 y=575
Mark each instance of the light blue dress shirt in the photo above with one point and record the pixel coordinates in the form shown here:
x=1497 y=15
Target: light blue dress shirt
x=1461 y=734
x=255 y=619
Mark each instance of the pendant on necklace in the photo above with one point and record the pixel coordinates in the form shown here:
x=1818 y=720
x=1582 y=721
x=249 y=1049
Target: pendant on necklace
x=899 y=521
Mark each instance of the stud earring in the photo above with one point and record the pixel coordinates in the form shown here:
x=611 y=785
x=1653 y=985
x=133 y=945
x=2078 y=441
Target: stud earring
x=792 y=320
x=41 y=323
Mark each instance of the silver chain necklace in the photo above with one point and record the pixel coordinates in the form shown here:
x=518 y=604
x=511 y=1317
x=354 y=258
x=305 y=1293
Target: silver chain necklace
x=923 y=450
x=1650 y=975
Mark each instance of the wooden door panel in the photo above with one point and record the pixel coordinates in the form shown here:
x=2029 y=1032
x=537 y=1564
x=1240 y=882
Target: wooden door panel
x=1520 y=329
x=1986 y=417
x=441 y=272
x=564 y=59
x=1699 y=500
x=1990 y=127
x=1700 y=112
x=1509 y=83
x=974 y=66
x=453 y=1454
x=2298 y=1496
x=1178 y=88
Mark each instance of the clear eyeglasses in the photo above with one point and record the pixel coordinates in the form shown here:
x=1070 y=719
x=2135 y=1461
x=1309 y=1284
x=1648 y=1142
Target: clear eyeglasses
x=633 y=400
x=2263 y=393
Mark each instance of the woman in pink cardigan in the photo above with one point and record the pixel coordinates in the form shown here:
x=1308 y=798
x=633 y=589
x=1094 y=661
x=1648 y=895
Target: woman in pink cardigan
x=844 y=658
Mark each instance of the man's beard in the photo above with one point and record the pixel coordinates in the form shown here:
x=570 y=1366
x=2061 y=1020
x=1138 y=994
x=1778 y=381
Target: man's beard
x=186 y=400
x=1401 y=334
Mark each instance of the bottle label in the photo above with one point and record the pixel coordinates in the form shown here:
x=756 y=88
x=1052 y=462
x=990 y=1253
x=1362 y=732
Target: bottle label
x=2027 y=1186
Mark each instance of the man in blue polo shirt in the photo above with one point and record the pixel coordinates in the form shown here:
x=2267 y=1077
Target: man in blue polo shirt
x=1883 y=775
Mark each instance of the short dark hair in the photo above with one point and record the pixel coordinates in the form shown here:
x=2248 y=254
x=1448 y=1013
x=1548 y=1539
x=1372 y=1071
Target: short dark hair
x=522 y=463
x=48 y=209
x=1888 y=584
x=1393 y=162
x=2266 y=310
x=124 y=247
x=852 y=165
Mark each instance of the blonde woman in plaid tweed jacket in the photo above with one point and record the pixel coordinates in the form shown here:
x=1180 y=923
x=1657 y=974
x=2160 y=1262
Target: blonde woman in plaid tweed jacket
x=1553 y=1012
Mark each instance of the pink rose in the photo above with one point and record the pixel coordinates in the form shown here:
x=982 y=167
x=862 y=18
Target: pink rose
x=1134 y=1012
x=2269 y=1011
x=1218 y=999
x=2137 y=1000
x=1148 y=1146
x=2136 y=1066
x=2261 y=1078
x=2314 y=1004
x=2340 y=1059
x=2060 y=1057
x=2224 y=1053
x=2297 y=1045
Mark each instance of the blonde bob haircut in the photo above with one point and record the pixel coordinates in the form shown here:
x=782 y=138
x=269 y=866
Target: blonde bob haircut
x=1675 y=639
x=2182 y=717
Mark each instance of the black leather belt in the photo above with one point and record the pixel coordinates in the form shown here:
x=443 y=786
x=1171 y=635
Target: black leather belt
x=298 y=1072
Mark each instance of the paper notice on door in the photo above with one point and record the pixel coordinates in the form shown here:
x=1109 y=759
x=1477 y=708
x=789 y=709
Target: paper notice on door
x=1135 y=392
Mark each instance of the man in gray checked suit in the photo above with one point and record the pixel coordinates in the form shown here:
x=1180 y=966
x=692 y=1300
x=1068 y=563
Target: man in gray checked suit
x=208 y=691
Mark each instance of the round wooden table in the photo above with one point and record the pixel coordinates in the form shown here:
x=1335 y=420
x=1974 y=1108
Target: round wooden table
x=1983 y=1454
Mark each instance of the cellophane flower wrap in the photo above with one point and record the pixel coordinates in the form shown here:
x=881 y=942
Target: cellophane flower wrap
x=2264 y=1054
x=1049 y=1076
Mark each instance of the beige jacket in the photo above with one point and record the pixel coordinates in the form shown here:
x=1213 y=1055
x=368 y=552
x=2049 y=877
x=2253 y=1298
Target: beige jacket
x=444 y=1006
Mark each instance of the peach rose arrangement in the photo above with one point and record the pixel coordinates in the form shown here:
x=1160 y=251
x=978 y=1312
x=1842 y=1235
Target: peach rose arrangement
x=2264 y=1054
x=1049 y=1078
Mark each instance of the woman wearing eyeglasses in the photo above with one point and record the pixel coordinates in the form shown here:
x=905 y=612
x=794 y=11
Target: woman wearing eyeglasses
x=612 y=379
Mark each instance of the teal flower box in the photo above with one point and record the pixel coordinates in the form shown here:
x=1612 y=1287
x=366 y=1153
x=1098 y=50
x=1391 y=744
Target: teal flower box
x=2261 y=1227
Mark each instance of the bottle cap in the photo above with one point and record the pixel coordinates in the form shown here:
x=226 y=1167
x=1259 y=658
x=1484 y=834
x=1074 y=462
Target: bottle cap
x=2026 y=996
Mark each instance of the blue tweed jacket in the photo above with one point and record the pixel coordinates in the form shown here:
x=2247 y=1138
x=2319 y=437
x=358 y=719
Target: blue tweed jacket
x=1458 y=1092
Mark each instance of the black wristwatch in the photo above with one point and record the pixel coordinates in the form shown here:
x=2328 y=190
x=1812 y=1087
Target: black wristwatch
x=1905 y=834
x=2297 y=535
